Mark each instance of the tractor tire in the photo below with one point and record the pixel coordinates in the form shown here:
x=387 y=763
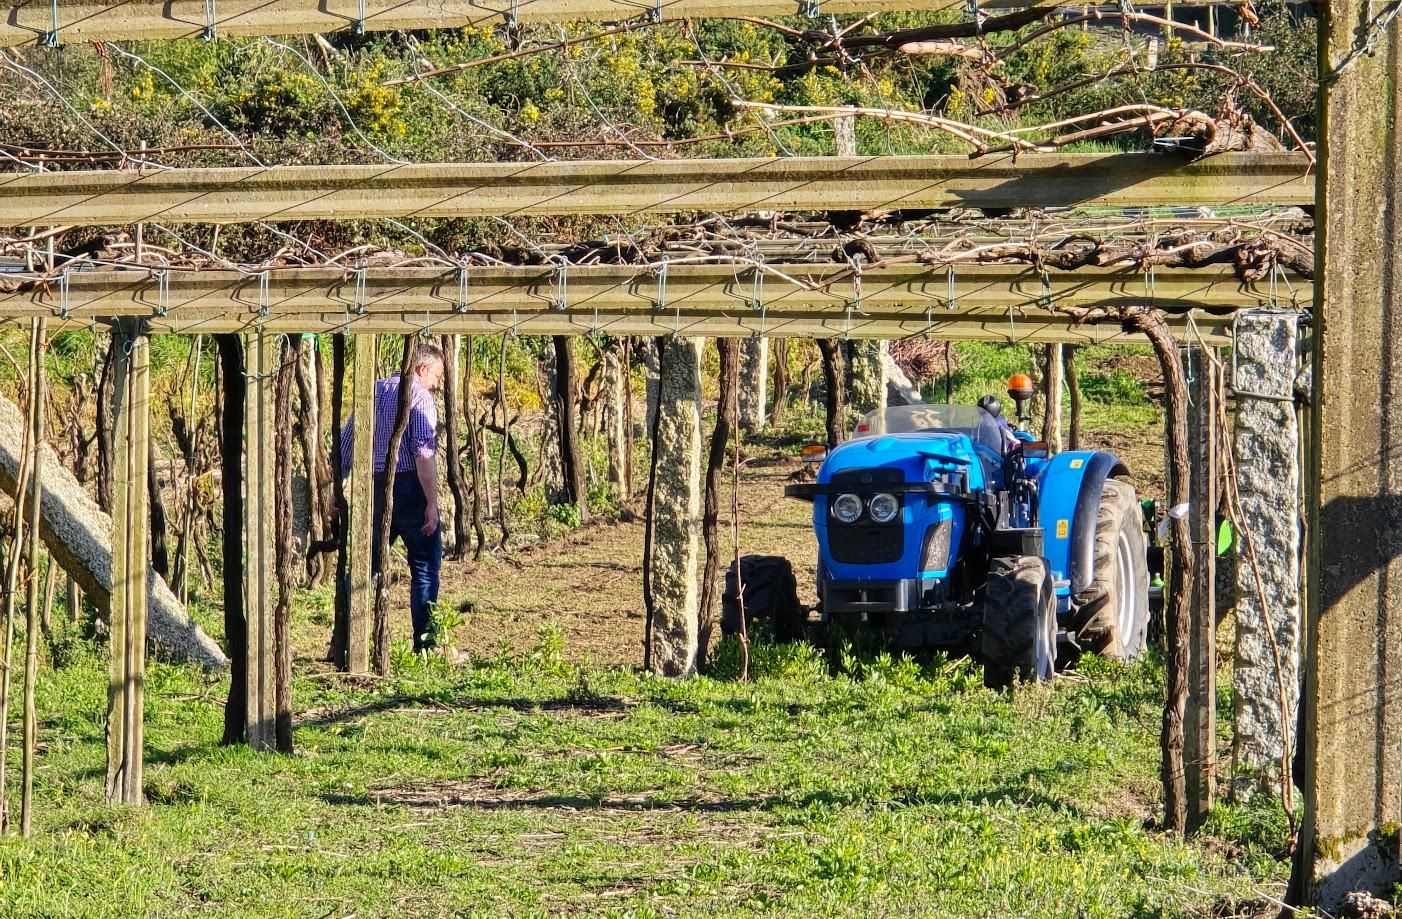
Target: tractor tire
x=1113 y=612
x=771 y=595
x=1019 y=622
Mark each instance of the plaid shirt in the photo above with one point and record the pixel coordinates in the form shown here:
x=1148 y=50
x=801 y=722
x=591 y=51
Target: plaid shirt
x=418 y=436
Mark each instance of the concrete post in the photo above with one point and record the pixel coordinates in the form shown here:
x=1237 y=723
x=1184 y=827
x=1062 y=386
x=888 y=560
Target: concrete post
x=754 y=383
x=362 y=500
x=1352 y=740
x=126 y=687
x=677 y=511
x=1265 y=447
x=647 y=348
x=258 y=540
x=868 y=375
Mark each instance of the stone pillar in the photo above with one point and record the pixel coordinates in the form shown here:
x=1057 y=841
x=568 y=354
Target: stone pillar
x=552 y=464
x=676 y=531
x=868 y=375
x=1352 y=742
x=613 y=390
x=754 y=383
x=1265 y=451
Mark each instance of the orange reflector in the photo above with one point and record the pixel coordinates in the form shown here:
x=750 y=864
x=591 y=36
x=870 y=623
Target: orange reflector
x=813 y=453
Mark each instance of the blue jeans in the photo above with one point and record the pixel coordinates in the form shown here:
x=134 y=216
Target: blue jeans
x=425 y=553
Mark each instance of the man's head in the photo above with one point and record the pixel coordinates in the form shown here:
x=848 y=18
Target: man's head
x=428 y=366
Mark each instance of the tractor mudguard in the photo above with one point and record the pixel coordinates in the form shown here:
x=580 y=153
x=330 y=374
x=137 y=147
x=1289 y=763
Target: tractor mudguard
x=1070 y=489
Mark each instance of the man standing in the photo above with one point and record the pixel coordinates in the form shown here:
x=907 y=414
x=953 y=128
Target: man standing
x=414 y=516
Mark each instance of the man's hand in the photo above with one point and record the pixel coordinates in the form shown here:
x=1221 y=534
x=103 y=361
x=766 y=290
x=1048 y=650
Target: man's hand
x=430 y=520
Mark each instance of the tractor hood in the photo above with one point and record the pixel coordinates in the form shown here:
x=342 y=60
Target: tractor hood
x=916 y=456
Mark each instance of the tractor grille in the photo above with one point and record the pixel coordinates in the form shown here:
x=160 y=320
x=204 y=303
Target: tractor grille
x=865 y=543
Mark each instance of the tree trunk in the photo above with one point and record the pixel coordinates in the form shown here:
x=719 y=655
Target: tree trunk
x=1052 y=387
x=314 y=458
x=728 y=350
x=629 y=436
x=452 y=355
x=474 y=440
x=1150 y=322
x=340 y=623
x=835 y=384
x=282 y=520
x=614 y=393
x=104 y=432
x=566 y=410
x=231 y=468
x=396 y=436
x=160 y=544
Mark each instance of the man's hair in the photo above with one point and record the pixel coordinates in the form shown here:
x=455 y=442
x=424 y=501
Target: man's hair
x=425 y=354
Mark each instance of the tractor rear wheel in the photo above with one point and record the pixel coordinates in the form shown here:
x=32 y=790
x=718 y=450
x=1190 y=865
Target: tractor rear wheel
x=1114 y=611
x=1019 y=622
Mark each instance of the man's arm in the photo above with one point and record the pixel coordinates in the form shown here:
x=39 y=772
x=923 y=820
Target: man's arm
x=427 y=469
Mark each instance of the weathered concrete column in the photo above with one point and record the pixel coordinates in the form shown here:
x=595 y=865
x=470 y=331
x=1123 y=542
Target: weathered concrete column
x=1352 y=740
x=754 y=383
x=616 y=436
x=676 y=533
x=868 y=375
x=1265 y=448
x=126 y=686
x=258 y=539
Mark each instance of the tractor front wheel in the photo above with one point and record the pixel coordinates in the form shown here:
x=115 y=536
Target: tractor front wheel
x=1019 y=622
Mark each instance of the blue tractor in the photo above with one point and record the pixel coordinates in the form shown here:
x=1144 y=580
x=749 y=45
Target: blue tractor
x=945 y=527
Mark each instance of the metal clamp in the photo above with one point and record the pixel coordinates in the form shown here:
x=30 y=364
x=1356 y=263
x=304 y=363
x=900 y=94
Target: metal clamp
x=561 y=299
x=63 y=294
x=951 y=301
x=513 y=18
x=358 y=303
x=264 y=298
x=461 y=303
x=654 y=14
x=162 y=291
x=358 y=27
x=211 y=20
x=810 y=9
x=660 y=303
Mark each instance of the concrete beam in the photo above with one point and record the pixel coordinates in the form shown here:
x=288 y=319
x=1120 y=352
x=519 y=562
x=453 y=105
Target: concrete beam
x=1266 y=450
x=1352 y=740
x=992 y=302
x=629 y=187
x=676 y=533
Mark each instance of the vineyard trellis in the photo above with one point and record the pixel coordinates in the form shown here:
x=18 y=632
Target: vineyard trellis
x=873 y=265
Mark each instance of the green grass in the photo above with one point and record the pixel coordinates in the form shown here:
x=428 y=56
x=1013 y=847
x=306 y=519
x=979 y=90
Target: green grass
x=532 y=786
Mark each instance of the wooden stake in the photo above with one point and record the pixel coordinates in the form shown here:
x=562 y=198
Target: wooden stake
x=259 y=539
x=38 y=395
x=131 y=392
x=11 y=589
x=1051 y=427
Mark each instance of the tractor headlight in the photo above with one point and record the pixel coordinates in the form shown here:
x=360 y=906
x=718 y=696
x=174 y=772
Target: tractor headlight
x=847 y=508
x=885 y=508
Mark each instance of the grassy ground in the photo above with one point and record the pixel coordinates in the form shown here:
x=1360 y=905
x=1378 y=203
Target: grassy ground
x=529 y=782
x=546 y=776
